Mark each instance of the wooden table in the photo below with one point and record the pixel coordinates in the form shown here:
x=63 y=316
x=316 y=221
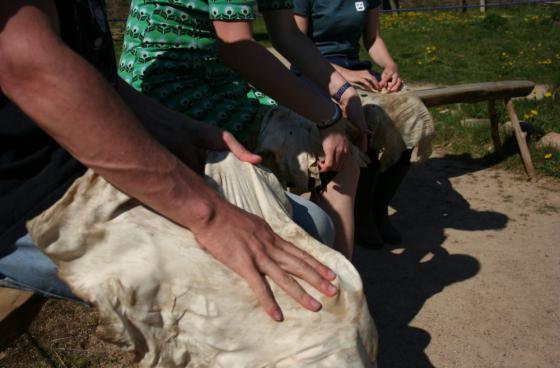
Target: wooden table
x=489 y=91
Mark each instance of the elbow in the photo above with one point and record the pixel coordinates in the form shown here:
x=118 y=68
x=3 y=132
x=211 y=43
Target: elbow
x=5 y=64
x=15 y=64
x=22 y=61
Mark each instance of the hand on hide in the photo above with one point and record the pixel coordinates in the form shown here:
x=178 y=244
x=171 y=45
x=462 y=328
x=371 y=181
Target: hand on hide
x=390 y=78
x=362 y=78
x=247 y=245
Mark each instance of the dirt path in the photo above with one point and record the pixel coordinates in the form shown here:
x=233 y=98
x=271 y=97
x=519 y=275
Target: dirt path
x=475 y=283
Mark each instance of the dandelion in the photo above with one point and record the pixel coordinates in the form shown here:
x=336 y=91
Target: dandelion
x=548 y=155
x=545 y=62
x=534 y=112
x=548 y=94
x=526 y=116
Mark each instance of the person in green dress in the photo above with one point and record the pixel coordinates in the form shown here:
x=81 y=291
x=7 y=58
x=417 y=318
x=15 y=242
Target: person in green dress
x=198 y=57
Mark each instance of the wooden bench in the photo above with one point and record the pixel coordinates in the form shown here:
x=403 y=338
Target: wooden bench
x=490 y=91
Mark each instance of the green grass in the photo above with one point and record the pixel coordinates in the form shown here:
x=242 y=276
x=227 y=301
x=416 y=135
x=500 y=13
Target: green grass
x=453 y=137
x=451 y=47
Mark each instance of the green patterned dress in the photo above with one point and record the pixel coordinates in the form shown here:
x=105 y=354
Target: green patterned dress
x=170 y=53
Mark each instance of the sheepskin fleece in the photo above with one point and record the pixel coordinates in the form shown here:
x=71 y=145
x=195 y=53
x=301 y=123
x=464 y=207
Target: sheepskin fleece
x=398 y=121
x=291 y=147
x=172 y=304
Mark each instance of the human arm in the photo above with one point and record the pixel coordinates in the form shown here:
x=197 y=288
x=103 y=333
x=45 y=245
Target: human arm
x=74 y=104
x=180 y=134
x=363 y=78
x=259 y=67
x=300 y=51
x=379 y=53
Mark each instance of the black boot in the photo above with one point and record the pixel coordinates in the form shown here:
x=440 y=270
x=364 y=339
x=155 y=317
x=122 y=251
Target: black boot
x=387 y=185
x=366 y=232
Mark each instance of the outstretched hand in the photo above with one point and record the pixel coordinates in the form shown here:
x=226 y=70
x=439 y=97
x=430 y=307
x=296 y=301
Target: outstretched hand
x=209 y=137
x=247 y=245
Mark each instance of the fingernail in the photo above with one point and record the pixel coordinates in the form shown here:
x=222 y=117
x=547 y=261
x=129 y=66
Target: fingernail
x=331 y=274
x=315 y=305
x=332 y=289
x=277 y=315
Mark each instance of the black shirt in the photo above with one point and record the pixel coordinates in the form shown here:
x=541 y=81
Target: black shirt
x=34 y=170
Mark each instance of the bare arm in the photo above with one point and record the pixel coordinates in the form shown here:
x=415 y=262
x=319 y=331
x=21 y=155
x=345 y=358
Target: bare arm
x=258 y=66
x=72 y=102
x=363 y=78
x=294 y=44
x=379 y=53
x=300 y=51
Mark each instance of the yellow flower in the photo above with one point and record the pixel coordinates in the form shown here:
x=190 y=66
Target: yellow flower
x=534 y=112
x=526 y=116
x=548 y=94
x=548 y=155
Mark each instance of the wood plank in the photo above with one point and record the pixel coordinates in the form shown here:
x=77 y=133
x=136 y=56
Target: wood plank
x=521 y=142
x=474 y=92
x=11 y=299
x=494 y=127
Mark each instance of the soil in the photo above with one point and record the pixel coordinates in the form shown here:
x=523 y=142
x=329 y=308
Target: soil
x=473 y=284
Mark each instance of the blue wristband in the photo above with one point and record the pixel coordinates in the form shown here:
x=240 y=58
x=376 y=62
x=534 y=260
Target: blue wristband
x=338 y=95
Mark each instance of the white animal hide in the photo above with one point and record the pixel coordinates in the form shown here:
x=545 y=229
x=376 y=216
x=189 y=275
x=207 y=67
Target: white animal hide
x=172 y=304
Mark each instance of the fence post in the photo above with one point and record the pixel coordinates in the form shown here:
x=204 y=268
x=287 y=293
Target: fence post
x=482 y=6
x=464 y=5
x=391 y=4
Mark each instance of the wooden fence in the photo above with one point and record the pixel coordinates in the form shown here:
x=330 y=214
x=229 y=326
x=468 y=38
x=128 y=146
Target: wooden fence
x=463 y=5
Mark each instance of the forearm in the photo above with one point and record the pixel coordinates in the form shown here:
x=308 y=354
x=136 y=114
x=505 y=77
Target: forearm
x=70 y=100
x=301 y=52
x=264 y=71
x=379 y=53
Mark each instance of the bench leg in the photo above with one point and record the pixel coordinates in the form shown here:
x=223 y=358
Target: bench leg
x=521 y=142
x=494 y=127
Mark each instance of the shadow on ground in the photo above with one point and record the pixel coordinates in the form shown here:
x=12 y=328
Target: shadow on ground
x=398 y=280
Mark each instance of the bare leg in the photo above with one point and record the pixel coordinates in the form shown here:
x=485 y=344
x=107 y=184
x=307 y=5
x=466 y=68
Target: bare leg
x=337 y=200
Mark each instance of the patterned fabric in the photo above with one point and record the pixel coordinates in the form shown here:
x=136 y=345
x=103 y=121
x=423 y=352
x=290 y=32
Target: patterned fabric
x=169 y=53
